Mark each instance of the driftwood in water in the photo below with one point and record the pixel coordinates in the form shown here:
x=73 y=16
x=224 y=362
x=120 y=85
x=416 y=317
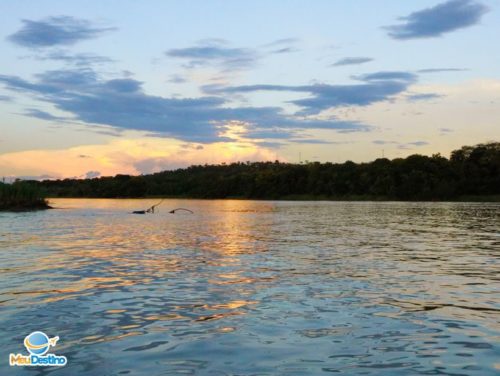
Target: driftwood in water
x=173 y=211
x=150 y=210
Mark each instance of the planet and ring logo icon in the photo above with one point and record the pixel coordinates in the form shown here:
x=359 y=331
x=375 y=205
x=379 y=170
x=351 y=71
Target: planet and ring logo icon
x=38 y=343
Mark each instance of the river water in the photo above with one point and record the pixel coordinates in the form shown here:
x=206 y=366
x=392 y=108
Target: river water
x=254 y=287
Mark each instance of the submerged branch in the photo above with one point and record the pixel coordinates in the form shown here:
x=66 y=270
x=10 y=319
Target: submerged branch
x=173 y=211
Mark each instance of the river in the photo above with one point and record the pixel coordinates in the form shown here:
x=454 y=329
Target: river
x=254 y=287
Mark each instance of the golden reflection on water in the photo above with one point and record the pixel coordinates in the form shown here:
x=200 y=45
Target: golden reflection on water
x=124 y=245
x=123 y=250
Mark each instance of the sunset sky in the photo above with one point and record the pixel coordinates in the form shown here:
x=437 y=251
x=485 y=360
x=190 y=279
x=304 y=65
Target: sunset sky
x=104 y=87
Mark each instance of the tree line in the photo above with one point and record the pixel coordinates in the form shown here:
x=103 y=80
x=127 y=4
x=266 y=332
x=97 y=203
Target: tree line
x=470 y=171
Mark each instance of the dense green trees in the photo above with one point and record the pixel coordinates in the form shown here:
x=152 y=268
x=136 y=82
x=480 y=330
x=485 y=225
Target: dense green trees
x=471 y=170
x=21 y=196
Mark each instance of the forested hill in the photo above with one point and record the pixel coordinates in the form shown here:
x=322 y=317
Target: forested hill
x=471 y=170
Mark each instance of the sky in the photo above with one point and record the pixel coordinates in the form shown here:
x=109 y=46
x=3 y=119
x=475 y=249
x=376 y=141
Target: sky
x=92 y=89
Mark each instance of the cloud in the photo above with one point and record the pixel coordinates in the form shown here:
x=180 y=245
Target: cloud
x=282 y=42
x=270 y=144
x=388 y=76
x=383 y=142
x=435 y=21
x=152 y=165
x=122 y=103
x=124 y=85
x=282 y=46
x=80 y=59
x=192 y=146
x=401 y=145
x=423 y=97
x=418 y=143
x=446 y=130
x=439 y=70
x=56 y=31
x=92 y=174
x=352 y=61
x=376 y=87
x=312 y=141
x=5 y=98
x=215 y=53
x=260 y=133
x=42 y=115
x=412 y=145
x=284 y=50
x=176 y=79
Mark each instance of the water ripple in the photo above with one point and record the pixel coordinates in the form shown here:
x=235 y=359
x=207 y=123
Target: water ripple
x=256 y=288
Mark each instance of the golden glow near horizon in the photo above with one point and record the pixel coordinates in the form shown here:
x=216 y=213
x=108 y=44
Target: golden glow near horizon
x=128 y=156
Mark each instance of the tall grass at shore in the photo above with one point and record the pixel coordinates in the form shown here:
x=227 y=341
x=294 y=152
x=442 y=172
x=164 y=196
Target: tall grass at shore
x=21 y=196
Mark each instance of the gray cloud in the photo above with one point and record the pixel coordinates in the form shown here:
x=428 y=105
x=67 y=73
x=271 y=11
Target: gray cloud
x=376 y=87
x=446 y=130
x=352 y=61
x=215 y=53
x=122 y=103
x=435 y=21
x=284 y=50
x=418 y=143
x=192 y=146
x=42 y=115
x=56 y=31
x=269 y=133
x=312 y=141
x=270 y=144
x=92 y=174
x=439 y=70
x=423 y=97
x=79 y=59
x=282 y=42
x=5 y=98
x=383 y=142
x=401 y=145
x=283 y=46
x=152 y=165
x=388 y=76
x=176 y=79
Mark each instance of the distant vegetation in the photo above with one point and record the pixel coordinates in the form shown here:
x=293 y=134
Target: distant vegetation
x=472 y=171
x=21 y=196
